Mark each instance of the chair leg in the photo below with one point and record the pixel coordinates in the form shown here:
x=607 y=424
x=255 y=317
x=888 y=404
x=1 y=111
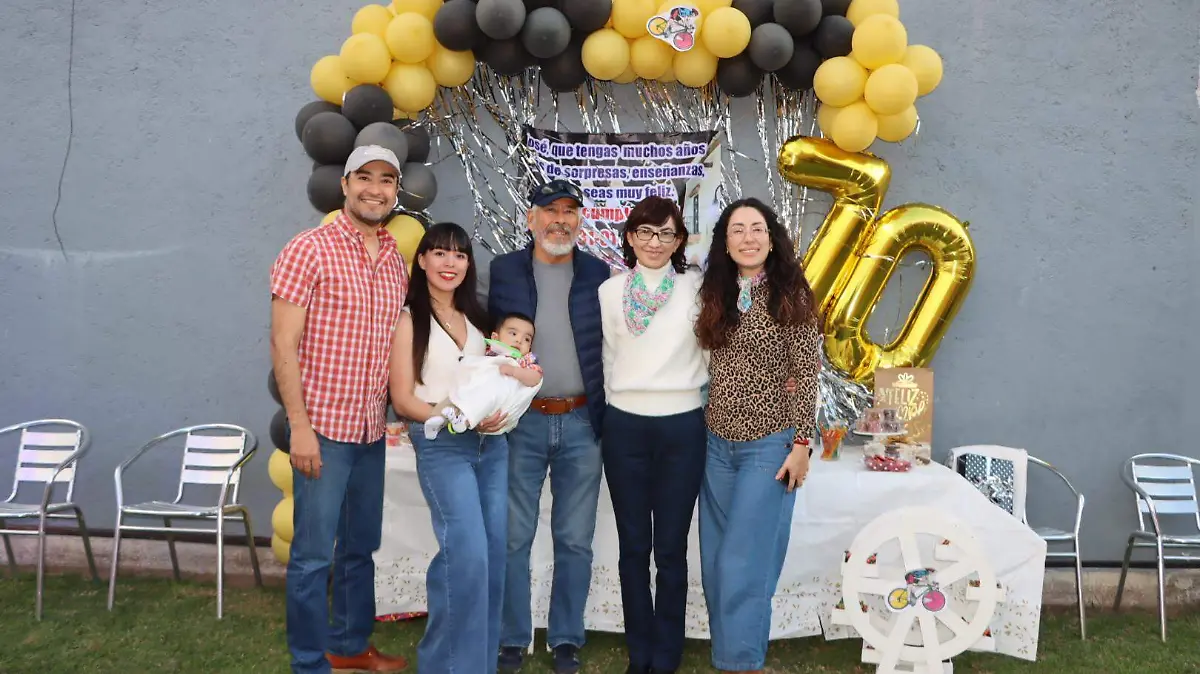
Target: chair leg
x=116 y=556
x=1124 y=572
x=1079 y=591
x=1162 y=599
x=220 y=564
x=253 y=549
x=171 y=546
x=41 y=564
x=8 y=551
x=87 y=543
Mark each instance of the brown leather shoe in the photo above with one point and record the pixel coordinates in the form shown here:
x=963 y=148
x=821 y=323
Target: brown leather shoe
x=369 y=661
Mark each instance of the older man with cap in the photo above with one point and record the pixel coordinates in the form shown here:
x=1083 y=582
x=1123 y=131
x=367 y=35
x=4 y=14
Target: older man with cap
x=336 y=295
x=557 y=284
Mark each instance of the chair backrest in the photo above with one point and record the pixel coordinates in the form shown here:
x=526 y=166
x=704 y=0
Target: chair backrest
x=209 y=452
x=42 y=447
x=1001 y=473
x=1168 y=481
x=1048 y=467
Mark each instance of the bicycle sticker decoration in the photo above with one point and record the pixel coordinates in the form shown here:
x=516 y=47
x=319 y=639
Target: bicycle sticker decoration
x=921 y=589
x=677 y=27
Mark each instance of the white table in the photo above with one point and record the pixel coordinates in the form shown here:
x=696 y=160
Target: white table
x=838 y=499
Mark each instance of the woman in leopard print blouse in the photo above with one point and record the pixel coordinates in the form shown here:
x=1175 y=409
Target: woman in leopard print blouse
x=758 y=318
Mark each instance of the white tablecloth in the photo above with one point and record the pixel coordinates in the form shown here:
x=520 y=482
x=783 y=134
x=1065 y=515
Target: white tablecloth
x=838 y=499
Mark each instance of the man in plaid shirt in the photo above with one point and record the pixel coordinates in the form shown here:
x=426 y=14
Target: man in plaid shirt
x=336 y=296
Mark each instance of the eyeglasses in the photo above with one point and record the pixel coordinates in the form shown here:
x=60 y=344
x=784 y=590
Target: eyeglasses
x=665 y=236
x=756 y=231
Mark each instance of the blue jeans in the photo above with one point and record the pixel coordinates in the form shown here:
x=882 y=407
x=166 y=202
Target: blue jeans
x=745 y=525
x=344 y=505
x=567 y=446
x=464 y=478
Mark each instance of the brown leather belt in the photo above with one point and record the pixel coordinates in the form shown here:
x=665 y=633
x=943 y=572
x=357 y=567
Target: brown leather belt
x=558 y=405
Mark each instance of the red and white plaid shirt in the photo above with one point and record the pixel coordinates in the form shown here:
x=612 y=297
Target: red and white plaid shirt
x=353 y=307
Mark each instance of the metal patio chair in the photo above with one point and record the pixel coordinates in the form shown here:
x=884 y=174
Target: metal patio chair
x=213 y=454
x=47 y=456
x=1054 y=536
x=1163 y=484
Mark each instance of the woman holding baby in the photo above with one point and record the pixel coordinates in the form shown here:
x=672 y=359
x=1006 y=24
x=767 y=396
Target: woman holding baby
x=463 y=475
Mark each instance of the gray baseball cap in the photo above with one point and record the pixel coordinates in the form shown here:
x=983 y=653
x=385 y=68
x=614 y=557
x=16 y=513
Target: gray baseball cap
x=365 y=154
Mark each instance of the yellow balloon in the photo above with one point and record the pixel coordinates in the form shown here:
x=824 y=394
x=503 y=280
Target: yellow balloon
x=895 y=128
x=861 y=9
x=879 y=40
x=426 y=8
x=855 y=127
x=365 y=58
x=650 y=57
x=411 y=87
x=407 y=231
x=279 y=467
x=328 y=80
x=371 y=19
x=925 y=63
x=726 y=32
x=891 y=90
x=695 y=67
x=825 y=116
x=839 y=81
x=706 y=7
x=281 y=519
x=669 y=75
x=400 y=114
x=629 y=17
x=410 y=37
x=605 y=54
x=451 y=68
x=626 y=77
x=281 y=548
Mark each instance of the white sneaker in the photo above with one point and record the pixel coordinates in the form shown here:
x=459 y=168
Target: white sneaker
x=458 y=422
x=433 y=426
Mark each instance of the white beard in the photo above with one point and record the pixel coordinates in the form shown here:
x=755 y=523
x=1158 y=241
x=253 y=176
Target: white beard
x=557 y=249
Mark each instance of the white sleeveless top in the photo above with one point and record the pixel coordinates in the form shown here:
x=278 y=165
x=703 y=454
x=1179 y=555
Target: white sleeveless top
x=441 y=360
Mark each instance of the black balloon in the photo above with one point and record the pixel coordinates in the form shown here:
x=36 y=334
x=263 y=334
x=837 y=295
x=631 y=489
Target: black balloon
x=798 y=73
x=387 y=135
x=546 y=32
x=418 y=143
x=531 y=5
x=835 y=7
x=281 y=435
x=325 y=188
x=771 y=47
x=328 y=137
x=800 y=17
x=758 y=11
x=309 y=111
x=500 y=19
x=738 y=76
x=455 y=27
x=366 y=104
x=506 y=57
x=565 y=72
x=834 y=36
x=586 y=16
x=418 y=187
x=273 y=387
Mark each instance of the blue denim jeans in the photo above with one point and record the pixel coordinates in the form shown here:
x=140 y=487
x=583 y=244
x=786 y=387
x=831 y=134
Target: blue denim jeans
x=344 y=505
x=464 y=478
x=745 y=525
x=566 y=445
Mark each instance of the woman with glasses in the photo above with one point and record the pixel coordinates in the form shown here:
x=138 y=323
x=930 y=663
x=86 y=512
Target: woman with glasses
x=653 y=439
x=759 y=322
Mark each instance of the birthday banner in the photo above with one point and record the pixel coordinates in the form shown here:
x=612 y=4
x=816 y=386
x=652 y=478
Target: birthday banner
x=617 y=170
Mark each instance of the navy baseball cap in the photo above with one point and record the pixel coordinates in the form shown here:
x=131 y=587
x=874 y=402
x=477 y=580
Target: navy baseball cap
x=547 y=193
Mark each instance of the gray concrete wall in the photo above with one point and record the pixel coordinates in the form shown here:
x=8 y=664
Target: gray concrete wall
x=1065 y=132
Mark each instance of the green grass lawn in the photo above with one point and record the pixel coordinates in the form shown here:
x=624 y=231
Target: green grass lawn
x=160 y=626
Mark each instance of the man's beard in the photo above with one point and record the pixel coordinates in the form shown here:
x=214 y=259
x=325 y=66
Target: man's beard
x=558 y=249
x=363 y=218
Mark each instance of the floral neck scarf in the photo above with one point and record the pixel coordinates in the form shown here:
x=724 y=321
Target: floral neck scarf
x=641 y=303
x=744 y=286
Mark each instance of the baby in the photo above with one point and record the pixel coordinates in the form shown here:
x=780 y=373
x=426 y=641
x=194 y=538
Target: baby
x=505 y=380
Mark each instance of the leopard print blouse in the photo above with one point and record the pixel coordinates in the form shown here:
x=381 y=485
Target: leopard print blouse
x=747 y=397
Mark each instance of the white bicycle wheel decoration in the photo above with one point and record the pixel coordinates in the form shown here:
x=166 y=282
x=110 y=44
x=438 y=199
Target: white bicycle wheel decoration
x=921 y=592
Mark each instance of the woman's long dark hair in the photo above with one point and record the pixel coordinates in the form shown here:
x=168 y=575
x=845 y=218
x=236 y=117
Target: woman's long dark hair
x=450 y=237
x=655 y=211
x=790 y=301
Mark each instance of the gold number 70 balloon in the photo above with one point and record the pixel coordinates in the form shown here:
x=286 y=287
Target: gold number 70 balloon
x=856 y=250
